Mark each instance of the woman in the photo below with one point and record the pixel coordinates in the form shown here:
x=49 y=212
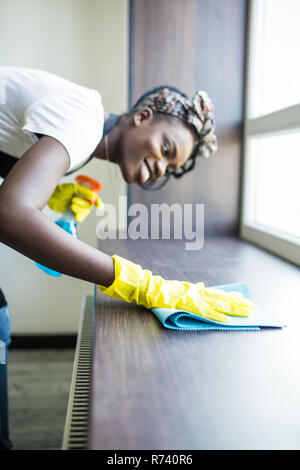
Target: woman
x=53 y=126
x=50 y=127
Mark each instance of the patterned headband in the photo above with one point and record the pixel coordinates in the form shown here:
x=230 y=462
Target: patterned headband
x=199 y=113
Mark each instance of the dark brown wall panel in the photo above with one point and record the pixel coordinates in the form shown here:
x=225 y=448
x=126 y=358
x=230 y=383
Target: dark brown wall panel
x=196 y=44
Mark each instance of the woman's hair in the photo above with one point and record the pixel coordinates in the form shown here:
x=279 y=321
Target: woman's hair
x=197 y=114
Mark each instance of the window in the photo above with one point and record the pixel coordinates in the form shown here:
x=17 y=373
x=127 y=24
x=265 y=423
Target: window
x=271 y=177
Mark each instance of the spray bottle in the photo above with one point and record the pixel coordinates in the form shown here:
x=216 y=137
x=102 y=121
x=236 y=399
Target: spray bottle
x=67 y=221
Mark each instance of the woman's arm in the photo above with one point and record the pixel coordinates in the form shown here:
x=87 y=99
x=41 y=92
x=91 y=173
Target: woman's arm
x=24 y=193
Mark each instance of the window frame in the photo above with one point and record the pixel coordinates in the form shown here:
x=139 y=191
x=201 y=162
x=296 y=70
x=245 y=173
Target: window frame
x=285 y=119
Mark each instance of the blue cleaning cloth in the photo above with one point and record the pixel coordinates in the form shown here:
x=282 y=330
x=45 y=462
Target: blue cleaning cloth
x=181 y=320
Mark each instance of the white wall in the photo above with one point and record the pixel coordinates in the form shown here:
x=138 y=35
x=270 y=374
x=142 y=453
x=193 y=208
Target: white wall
x=85 y=41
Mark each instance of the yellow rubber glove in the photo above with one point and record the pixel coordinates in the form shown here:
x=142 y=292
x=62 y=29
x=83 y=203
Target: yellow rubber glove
x=75 y=196
x=134 y=284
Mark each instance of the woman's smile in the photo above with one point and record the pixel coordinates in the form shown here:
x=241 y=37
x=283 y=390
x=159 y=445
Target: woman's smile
x=146 y=171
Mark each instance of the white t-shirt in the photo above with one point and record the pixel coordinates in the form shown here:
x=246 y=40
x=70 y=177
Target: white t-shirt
x=33 y=101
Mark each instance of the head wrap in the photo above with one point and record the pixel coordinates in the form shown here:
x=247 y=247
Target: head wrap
x=198 y=113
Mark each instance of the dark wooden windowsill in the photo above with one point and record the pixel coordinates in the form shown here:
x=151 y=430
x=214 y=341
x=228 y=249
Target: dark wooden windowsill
x=154 y=388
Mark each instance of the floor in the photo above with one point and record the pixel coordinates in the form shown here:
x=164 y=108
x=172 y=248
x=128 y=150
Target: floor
x=38 y=386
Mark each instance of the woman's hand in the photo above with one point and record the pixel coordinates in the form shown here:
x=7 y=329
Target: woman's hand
x=133 y=284
x=25 y=228
x=76 y=197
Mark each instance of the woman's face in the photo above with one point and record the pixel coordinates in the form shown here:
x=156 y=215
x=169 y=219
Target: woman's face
x=150 y=146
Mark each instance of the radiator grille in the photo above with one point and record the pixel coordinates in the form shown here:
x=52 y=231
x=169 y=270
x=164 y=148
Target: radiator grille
x=77 y=420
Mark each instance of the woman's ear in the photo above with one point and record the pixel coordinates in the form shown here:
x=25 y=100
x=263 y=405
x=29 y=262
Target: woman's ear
x=143 y=116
